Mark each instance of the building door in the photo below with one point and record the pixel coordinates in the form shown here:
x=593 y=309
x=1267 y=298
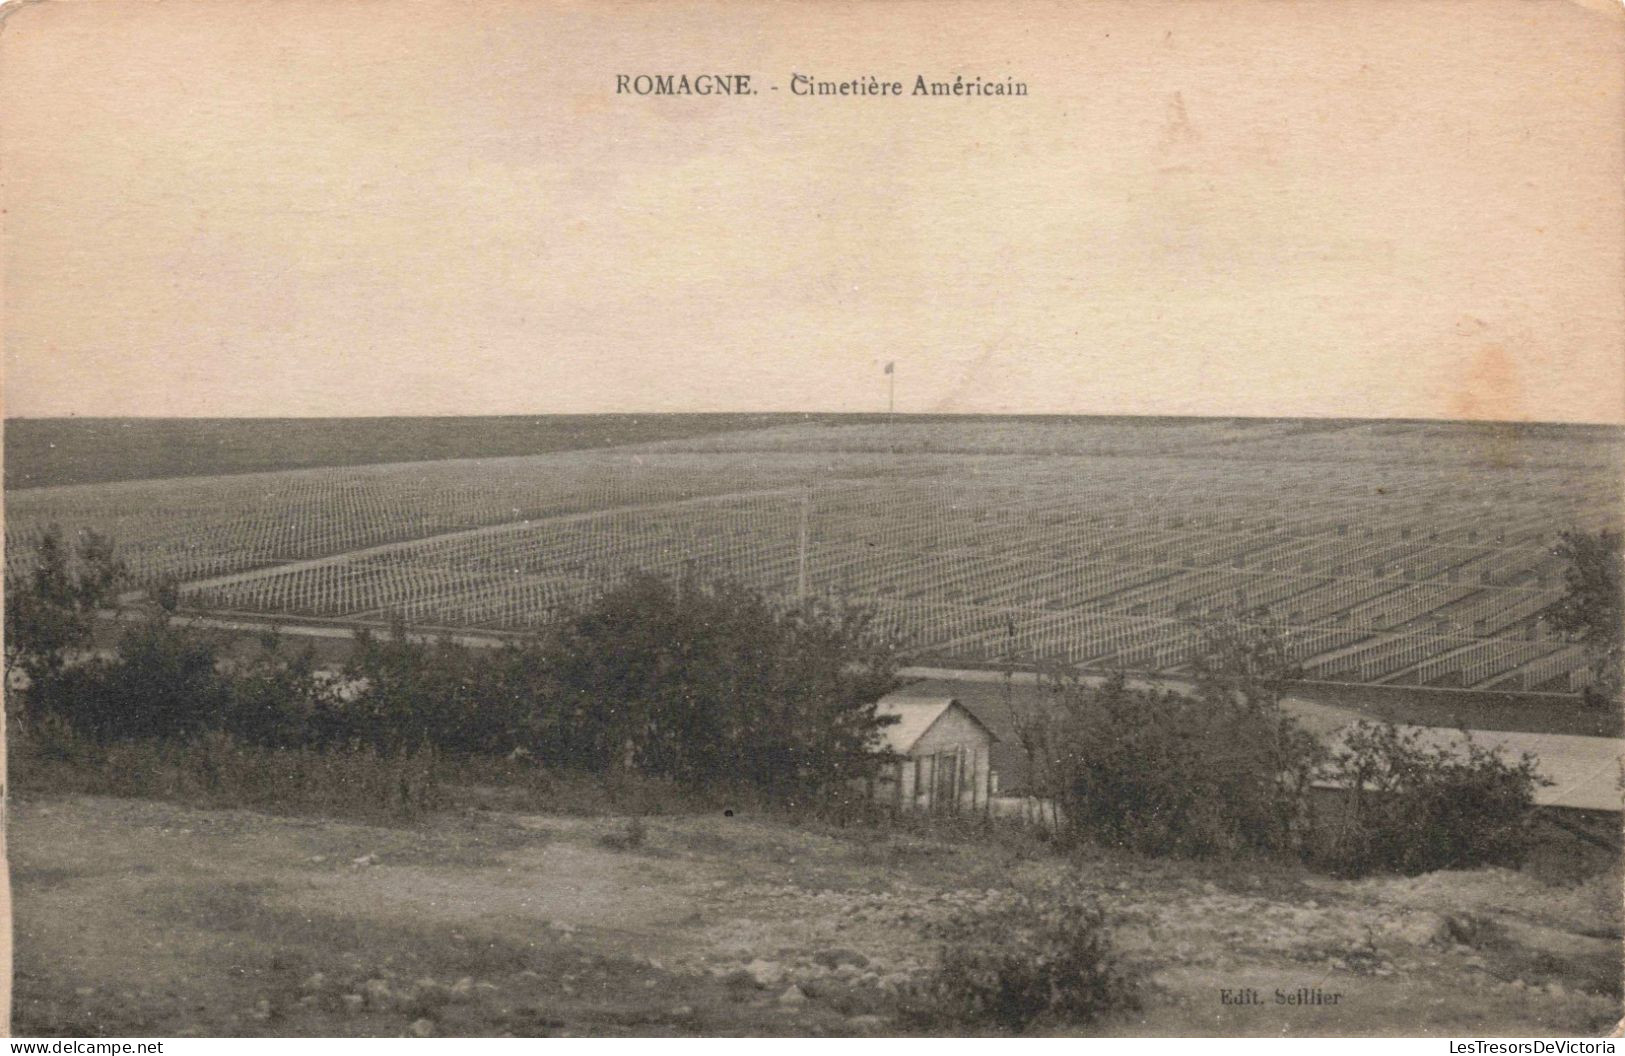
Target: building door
x=945 y=793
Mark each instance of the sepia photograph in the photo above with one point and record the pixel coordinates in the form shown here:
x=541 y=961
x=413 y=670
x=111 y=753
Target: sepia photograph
x=727 y=518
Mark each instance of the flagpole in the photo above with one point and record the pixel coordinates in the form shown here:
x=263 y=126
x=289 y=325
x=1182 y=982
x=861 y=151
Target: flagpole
x=891 y=403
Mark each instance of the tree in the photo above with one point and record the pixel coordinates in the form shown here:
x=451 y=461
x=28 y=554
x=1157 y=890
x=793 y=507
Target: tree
x=1244 y=664
x=1248 y=656
x=710 y=684
x=1590 y=609
x=461 y=699
x=50 y=608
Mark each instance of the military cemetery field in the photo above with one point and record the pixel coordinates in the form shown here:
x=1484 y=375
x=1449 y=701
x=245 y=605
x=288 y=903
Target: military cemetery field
x=1408 y=565
x=1393 y=553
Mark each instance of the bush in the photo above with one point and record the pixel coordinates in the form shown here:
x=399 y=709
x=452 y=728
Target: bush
x=176 y=681
x=1169 y=774
x=711 y=685
x=1412 y=808
x=163 y=682
x=1040 y=957
x=462 y=699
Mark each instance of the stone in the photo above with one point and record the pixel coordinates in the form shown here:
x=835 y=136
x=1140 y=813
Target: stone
x=462 y=987
x=353 y=1002
x=423 y=1028
x=1464 y=929
x=314 y=981
x=1418 y=929
x=840 y=957
x=765 y=973
x=792 y=997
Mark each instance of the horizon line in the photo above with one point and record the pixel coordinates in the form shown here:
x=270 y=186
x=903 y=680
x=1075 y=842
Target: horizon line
x=883 y=415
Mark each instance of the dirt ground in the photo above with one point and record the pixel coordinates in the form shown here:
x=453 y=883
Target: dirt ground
x=138 y=918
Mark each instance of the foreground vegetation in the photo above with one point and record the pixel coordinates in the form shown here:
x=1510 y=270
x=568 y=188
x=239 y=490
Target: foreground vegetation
x=715 y=690
x=706 y=685
x=137 y=917
x=711 y=694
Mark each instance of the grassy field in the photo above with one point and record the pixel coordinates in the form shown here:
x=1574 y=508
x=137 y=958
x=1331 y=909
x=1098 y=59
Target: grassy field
x=139 y=918
x=45 y=452
x=1474 y=711
x=1392 y=553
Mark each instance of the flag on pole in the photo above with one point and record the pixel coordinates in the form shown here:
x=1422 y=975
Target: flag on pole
x=889 y=365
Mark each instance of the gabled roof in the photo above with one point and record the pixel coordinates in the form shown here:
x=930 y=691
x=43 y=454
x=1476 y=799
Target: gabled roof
x=916 y=715
x=1584 y=771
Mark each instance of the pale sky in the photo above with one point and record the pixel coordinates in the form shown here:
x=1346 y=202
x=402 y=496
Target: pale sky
x=1352 y=208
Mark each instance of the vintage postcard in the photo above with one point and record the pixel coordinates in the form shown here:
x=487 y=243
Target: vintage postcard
x=829 y=519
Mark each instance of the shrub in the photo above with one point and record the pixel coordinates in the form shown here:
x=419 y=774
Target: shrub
x=711 y=684
x=708 y=687
x=282 y=701
x=175 y=681
x=165 y=681
x=477 y=701
x=1039 y=957
x=1409 y=807
x=1170 y=774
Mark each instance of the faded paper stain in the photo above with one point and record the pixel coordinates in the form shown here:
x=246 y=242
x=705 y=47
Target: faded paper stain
x=1490 y=388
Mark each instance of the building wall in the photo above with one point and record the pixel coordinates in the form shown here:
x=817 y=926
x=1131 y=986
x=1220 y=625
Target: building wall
x=953 y=729
x=955 y=734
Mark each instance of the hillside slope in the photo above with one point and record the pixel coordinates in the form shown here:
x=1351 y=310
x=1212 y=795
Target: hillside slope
x=143 y=918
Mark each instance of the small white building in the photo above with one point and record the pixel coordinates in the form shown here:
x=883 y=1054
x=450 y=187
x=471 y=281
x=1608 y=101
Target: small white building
x=946 y=755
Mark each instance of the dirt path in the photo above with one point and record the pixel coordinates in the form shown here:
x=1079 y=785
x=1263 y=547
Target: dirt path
x=143 y=918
